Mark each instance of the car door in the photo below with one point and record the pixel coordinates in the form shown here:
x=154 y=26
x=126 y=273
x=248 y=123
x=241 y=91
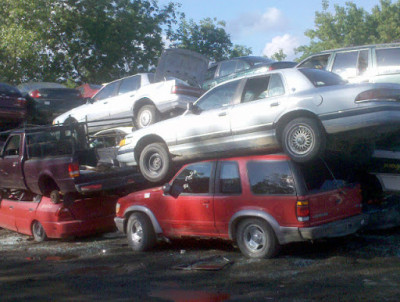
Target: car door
x=10 y=164
x=7 y=218
x=99 y=109
x=261 y=102
x=192 y=212
x=120 y=106
x=25 y=213
x=208 y=130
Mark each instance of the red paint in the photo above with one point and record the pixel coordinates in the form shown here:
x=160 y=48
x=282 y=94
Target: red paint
x=83 y=217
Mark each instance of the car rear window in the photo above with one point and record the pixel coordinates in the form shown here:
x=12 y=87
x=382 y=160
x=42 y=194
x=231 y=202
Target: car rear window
x=270 y=178
x=319 y=176
x=321 y=78
x=8 y=89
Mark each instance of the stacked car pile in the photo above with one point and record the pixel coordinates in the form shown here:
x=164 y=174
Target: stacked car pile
x=326 y=127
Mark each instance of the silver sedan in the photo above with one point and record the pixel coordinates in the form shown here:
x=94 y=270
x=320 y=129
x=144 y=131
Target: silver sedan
x=297 y=110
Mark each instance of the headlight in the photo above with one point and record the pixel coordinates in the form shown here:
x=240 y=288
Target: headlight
x=125 y=141
x=117 y=207
x=122 y=142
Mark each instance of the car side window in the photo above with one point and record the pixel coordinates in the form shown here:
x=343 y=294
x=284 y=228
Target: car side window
x=229 y=178
x=210 y=72
x=263 y=87
x=317 y=62
x=129 y=84
x=241 y=65
x=227 y=67
x=345 y=64
x=388 y=60
x=108 y=91
x=195 y=179
x=12 y=147
x=218 y=97
x=270 y=178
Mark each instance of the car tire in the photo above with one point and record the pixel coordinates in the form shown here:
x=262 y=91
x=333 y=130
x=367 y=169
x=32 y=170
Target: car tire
x=140 y=233
x=155 y=163
x=256 y=239
x=303 y=140
x=146 y=115
x=38 y=232
x=55 y=196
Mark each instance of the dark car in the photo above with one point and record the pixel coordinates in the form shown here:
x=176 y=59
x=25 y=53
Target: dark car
x=49 y=100
x=13 y=107
x=240 y=66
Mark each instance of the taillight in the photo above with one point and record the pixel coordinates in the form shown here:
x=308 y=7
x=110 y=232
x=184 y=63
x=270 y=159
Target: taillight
x=35 y=94
x=65 y=214
x=117 y=208
x=302 y=211
x=271 y=68
x=73 y=170
x=383 y=94
x=187 y=90
x=21 y=102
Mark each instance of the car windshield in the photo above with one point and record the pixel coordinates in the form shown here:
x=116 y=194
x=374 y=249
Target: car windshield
x=322 y=78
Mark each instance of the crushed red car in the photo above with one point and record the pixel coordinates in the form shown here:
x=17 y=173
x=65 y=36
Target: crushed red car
x=37 y=216
x=259 y=202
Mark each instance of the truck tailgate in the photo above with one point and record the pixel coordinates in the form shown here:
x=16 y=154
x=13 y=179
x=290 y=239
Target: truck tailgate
x=95 y=179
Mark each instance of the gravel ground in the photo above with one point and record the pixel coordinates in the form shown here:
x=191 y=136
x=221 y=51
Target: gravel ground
x=363 y=267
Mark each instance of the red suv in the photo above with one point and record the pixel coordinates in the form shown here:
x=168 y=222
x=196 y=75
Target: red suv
x=259 y=202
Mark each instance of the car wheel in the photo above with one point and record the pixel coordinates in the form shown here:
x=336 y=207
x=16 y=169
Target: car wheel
x=38 y=232
x=55 y=196
x=155 y=162
x=303 y=140
x=256 y=239
x=146 y=116
x=140 y=233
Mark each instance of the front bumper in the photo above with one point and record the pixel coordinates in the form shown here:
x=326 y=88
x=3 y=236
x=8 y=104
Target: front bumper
x=339 y=228
x=120 y=222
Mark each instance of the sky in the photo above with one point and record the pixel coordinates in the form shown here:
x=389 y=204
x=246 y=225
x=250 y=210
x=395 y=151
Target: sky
x=264 y=25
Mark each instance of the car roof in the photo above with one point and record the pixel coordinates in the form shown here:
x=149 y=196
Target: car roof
x=385 y=45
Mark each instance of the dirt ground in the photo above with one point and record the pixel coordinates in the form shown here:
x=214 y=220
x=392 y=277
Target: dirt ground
x=362 y=267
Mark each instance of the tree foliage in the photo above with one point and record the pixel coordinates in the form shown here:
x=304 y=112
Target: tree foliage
x=351 y=25
x=83 y=40
x=207 y=37
x=279 y=56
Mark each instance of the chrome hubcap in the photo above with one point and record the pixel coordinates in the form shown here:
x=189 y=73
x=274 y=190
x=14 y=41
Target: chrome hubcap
x=254 y=238
x=155 y=162
x=137 y=232
x=145 y=118
x=300 y=139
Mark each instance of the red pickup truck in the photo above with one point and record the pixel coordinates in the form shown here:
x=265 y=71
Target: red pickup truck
x=259 y=202
x=56 y=160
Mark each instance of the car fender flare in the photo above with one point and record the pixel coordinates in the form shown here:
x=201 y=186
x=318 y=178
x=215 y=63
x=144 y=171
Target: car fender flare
x=148 y=212
x=257 y=214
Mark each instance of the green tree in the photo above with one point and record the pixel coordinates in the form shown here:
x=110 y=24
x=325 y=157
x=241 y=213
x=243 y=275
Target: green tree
x=279 y=56
x=86 y=40
x=347 y=26
x=386 y=21
x=207 y=37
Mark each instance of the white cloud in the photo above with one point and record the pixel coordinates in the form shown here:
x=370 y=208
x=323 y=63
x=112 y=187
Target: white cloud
x=286 y=42
x=257 y=22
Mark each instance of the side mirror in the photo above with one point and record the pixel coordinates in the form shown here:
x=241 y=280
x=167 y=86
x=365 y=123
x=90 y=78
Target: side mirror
x=193 y=108
x=89 y=101
x=174 y=190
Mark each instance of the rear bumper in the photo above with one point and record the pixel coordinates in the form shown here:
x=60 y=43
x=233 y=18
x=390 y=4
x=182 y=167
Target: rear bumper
x=79 y=227
x=335 y=229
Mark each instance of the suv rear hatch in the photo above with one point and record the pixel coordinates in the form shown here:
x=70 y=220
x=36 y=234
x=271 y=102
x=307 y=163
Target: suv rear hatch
x=330 y=197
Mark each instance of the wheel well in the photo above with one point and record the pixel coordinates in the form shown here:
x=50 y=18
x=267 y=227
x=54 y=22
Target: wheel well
x=147 y=140
x=140 y=103
x=70 y=120
x=282 y=122
x=47 y=184
x=236 y=222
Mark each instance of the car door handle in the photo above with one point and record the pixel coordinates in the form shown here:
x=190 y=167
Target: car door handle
x=30 y=210
x=206 y=203
x=11 y=207
x=105 y=103
x=222 y=113
x=275 y=104
x=15 y=164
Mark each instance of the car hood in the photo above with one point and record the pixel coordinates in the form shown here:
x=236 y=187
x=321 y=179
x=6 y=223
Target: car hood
x=183 y=64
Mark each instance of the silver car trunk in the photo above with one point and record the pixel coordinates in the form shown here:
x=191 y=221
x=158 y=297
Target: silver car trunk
x=183 y=64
